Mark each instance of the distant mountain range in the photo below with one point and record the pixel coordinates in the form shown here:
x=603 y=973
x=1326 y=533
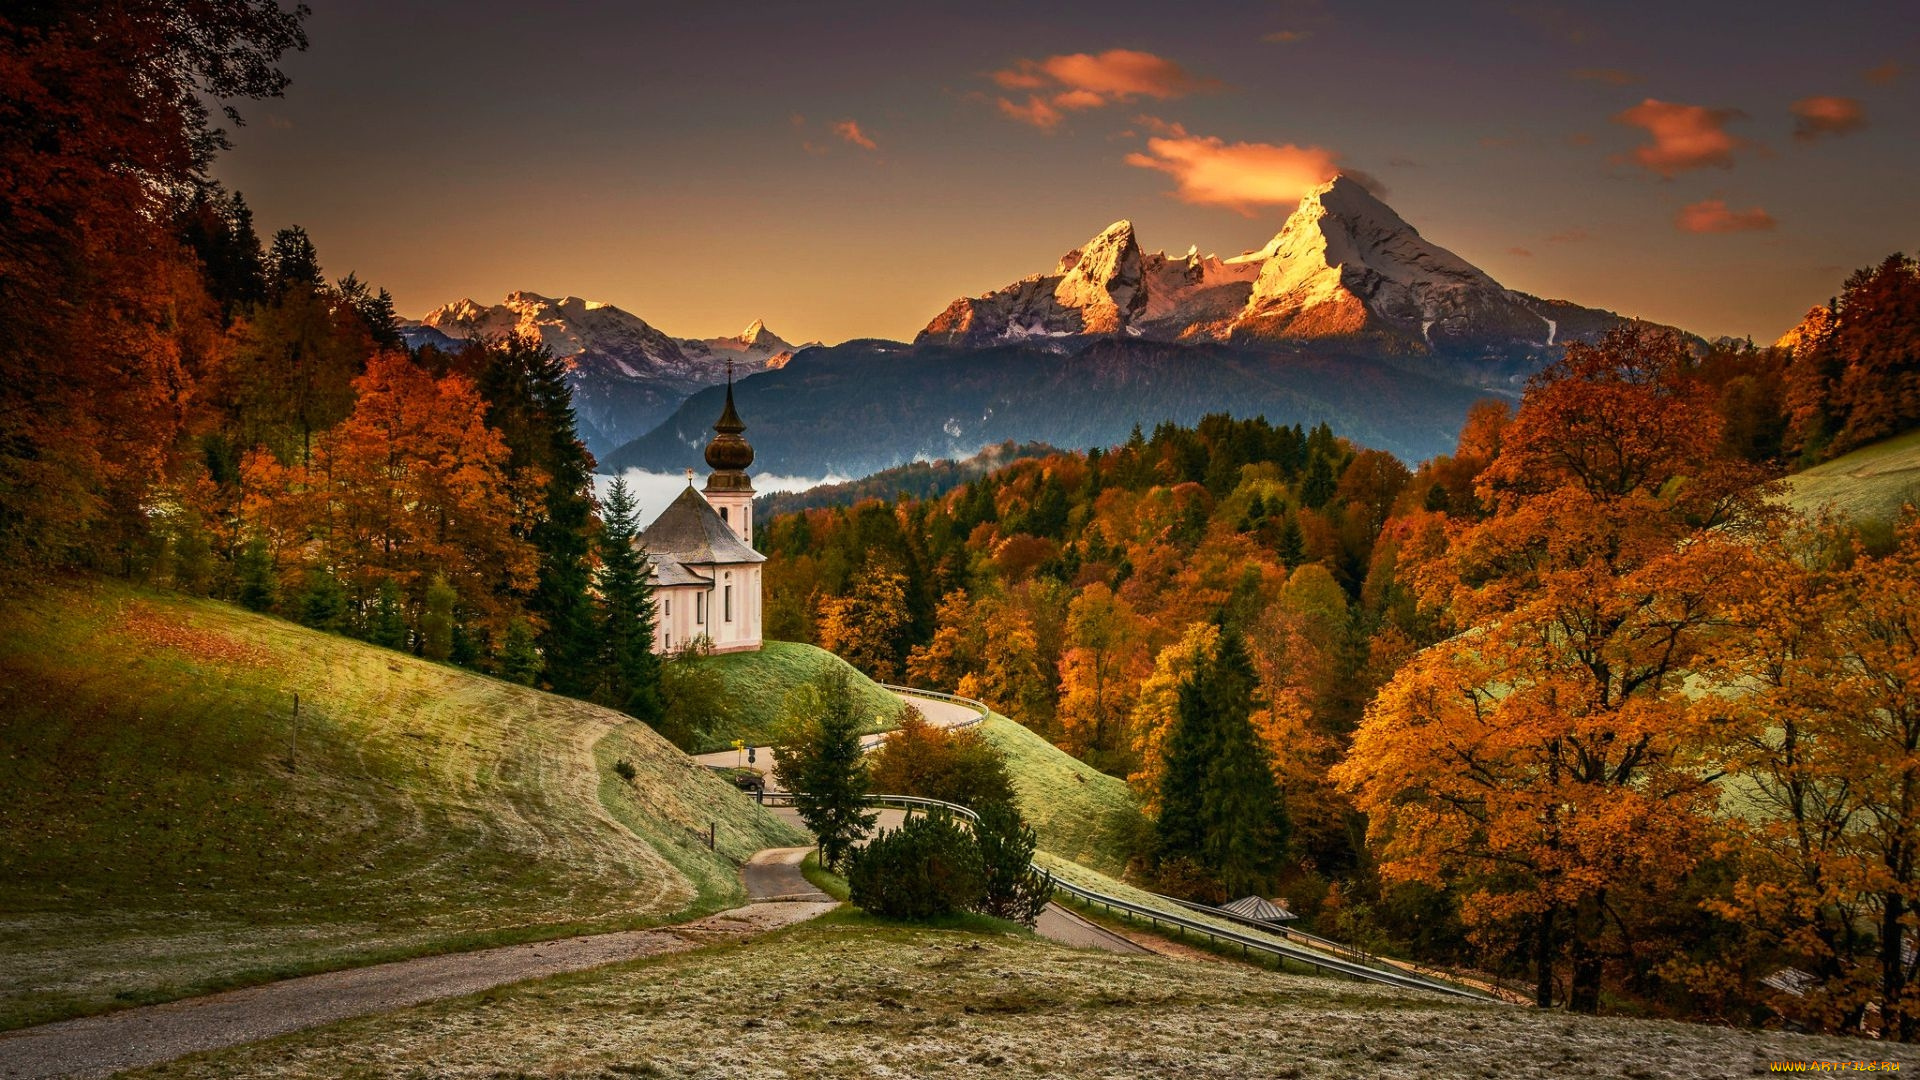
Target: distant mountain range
x=1347 y=316
x=626 y=376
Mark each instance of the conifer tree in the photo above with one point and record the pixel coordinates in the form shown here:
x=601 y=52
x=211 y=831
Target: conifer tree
x=519 y=659
x=253 y=568
x=1219 y=805
x=1013 y=888
x=436 y=622
x=386 y=622
x=529 y=403
x=819 y=757
x=630 y=670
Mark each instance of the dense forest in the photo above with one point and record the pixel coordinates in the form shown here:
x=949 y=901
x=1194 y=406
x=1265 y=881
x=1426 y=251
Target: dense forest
x=1476 y=687
x=184 y=405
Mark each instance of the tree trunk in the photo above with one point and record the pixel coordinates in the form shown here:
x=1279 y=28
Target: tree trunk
x=1589 y=918
x=1543 y=950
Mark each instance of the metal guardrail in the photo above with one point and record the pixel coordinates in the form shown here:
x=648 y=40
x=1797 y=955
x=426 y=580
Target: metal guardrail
x=912 y=691
x=1388 y=976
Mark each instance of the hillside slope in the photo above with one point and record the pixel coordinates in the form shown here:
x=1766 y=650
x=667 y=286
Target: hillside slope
x=757 y=684
x=1872 y=483
x=1079 y=813
x=155 y=843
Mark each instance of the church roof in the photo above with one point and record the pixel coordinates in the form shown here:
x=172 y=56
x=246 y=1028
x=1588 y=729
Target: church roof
x=689 y=531
x=668 y=572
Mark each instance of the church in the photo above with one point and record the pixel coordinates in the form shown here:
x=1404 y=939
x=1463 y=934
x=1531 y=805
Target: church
x=705 y=573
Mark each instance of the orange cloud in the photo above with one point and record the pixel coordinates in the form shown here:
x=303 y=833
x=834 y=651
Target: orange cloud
x=1073 y=81
x=1814 y=117
x=1713 y=216
x=1035 y=112
x=1287 y=37
x=1520 y=251
x=1684 y=136
x=1574 y=235
x=850 y=131
x=1886 y=74
x=1240 y=176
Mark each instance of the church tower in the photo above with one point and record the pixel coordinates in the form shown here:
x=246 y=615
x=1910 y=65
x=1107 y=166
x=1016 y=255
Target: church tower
x=728 y=490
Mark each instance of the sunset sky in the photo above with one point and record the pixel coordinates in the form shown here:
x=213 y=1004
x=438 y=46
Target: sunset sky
x=845 y=170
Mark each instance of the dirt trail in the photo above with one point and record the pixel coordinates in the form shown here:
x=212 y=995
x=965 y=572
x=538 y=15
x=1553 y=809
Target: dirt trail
x=98 y=1046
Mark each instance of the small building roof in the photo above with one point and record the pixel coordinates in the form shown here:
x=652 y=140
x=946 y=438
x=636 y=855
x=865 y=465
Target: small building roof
x=1253 y=907
x=689 y=531
x=667 y=572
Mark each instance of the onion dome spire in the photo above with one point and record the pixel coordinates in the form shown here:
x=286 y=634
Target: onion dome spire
x=729 y=452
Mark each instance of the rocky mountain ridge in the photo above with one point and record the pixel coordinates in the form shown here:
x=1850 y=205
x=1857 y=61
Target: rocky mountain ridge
x=626 y=375
x=1344 y=267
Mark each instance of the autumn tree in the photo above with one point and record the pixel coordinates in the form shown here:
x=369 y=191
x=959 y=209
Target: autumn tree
x=104 y=135
x=1156 y=707
x=1825 y=741
x=1544 y=762
x=868 y=627
x=416 y=485
x=1102 y=664
x=920 y=759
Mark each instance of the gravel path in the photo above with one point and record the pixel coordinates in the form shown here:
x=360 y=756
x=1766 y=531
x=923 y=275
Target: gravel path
x=99 y=1046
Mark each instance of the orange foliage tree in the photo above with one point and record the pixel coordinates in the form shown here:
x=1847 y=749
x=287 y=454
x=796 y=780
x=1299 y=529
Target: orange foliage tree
x=1824 y=742
x=1544 y=761
x=412 y=484
x=1104 y=660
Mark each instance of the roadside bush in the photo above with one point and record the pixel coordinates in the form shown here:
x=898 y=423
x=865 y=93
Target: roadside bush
x=926 y=868
x=937 y=763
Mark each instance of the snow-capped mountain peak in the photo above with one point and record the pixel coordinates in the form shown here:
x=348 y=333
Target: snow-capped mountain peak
x=1343 y=265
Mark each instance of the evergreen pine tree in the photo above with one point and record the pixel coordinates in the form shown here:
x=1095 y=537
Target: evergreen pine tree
x=519 y=659
x=820 y=759
x=253 y=567
x=387 y=622
x=323 y=602
x=630 y=669
x=1292 y=547
x=1220 y=809
x=436 y=622
x=530 y=404
x=1013 y=888
x=293 y=264
x=1318 y=488
x=1246 y=827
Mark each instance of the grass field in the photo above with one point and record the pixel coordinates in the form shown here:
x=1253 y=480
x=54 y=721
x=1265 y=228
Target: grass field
x=1872 y=483
x=155 y=843
x=758 y=682
x=1080 y=813
x=846 y=997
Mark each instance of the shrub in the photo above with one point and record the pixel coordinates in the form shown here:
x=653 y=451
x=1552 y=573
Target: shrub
x=1011 y=888
x=926 y=868
x=938 y=763
x=625 y=770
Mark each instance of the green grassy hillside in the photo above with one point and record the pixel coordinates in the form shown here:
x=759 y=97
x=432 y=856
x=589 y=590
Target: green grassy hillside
x=758 y=683
x=154 y=841
x=1872 y=483
x=1078 y=812
x=845 y=997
